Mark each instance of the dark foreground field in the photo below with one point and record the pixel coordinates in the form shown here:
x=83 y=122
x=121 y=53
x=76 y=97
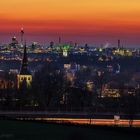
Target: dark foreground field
x=16 y=130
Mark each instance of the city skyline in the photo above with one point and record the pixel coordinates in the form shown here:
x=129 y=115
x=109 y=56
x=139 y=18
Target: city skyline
x=97 y=21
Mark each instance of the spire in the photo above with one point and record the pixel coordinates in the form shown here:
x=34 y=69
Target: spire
x=24 y=66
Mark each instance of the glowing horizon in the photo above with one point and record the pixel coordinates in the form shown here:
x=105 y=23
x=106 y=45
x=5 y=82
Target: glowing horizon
x=95 y=21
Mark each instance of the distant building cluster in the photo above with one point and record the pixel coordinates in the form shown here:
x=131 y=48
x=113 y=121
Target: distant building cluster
x=89 y=67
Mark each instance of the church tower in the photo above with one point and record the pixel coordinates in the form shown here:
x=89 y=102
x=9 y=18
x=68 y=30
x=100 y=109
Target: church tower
x=24 y=75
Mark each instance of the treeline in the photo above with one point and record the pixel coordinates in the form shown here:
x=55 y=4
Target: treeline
x=51 y=91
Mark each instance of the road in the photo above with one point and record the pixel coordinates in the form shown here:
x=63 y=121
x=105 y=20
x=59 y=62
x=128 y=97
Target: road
x=108 y=122
x=74 y=117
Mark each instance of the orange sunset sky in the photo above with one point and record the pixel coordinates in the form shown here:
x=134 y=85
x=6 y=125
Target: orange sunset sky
x=92 y=21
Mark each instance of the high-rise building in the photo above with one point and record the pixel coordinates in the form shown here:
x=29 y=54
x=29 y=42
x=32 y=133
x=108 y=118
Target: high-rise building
x=24 y=75
x=14 y=42
x=51 y=44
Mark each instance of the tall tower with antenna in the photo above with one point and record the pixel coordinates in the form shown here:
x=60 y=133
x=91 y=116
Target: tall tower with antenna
x=22 y=36
x=119 y=43
x=59 y=40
